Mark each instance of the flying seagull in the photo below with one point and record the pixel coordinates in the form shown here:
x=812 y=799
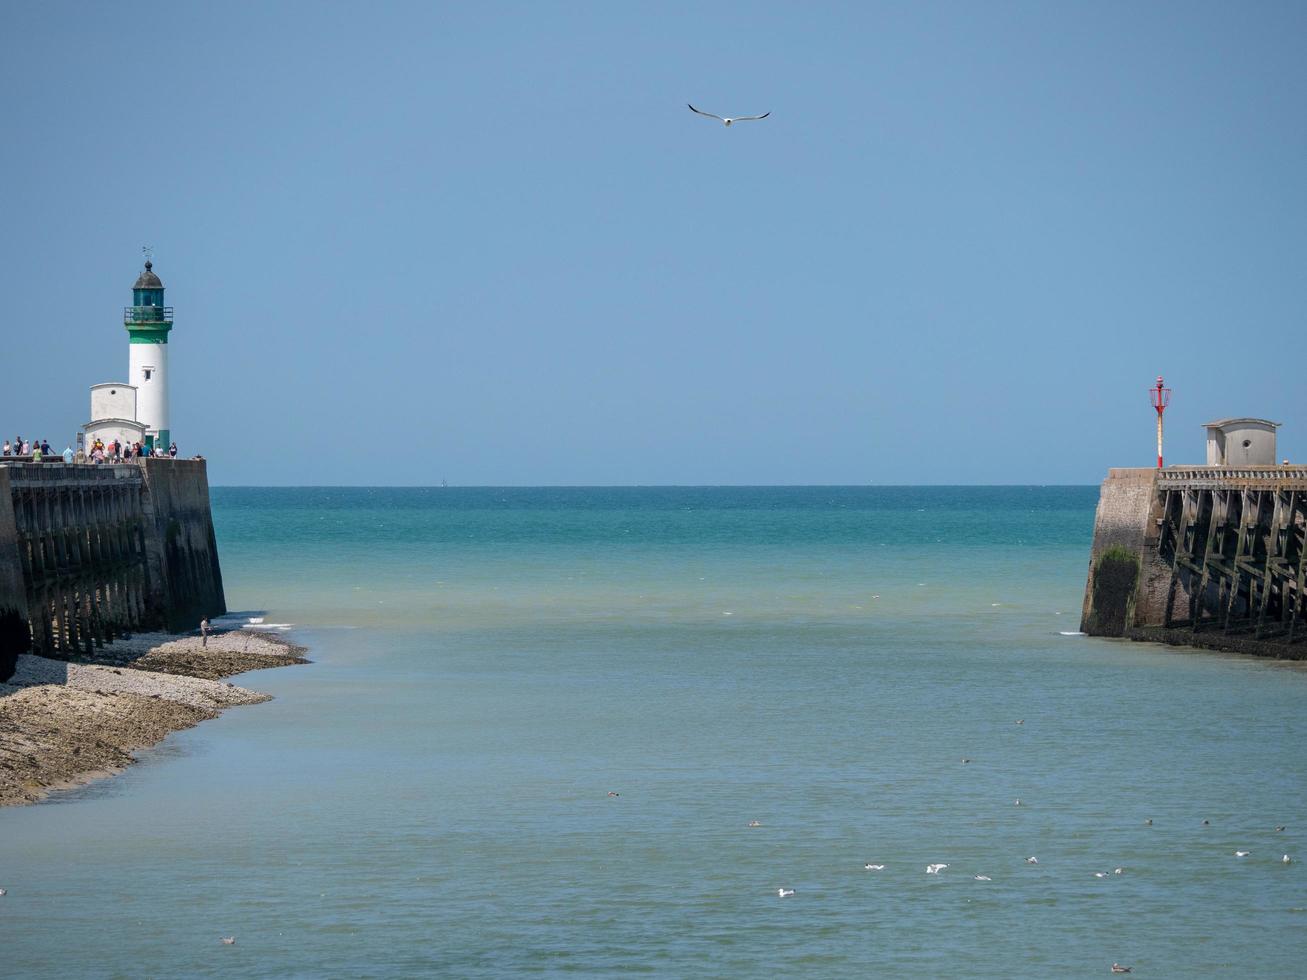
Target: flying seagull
x=727 y=120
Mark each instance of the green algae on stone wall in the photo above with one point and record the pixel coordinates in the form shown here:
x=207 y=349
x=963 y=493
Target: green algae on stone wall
x=1116 y=573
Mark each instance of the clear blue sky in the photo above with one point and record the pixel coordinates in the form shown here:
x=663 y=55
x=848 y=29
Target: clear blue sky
x=489 y=243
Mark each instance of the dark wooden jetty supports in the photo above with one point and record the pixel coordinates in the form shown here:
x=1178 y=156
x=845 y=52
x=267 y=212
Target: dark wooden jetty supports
x=89 y=553
x=1209 y=556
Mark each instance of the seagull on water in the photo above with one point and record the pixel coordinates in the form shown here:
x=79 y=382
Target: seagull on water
x=784 y=892
x=1118 y=871
x=5 y=891
x=229 y=940
x=1242 y=854
x=727 y=120
x=1118 y=968
x=881 y=867
x=1279 y=828
x=1032 y=860
x=984 y=878
x=934 y=869
x=1148 y=822
x=1100 y=874
x=755 y=823
x=1016 y=802
x=1284 y=860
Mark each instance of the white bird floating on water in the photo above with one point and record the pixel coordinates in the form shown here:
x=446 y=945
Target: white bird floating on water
x=934 y=869
x=727 y=120
x=1284 y=860
x=1032 y=860
x=784 y=892
x=1118 y=871
x=229 y=940
x=755 y=823
x=1100 y=874
x=1118 y=968
x=881 y=867
x=1242 y=854
x=984 y=878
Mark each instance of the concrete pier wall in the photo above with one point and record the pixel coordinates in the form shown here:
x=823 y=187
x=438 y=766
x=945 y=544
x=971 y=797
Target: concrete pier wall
x=88 y=553
x=180 y=549
x=14 y=636
x=1208 y=556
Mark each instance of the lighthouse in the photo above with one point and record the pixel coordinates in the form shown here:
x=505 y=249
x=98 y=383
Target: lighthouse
x=136 y=410
x=148 y=321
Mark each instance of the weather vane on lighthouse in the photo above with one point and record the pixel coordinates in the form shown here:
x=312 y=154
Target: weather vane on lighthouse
x=148 y=252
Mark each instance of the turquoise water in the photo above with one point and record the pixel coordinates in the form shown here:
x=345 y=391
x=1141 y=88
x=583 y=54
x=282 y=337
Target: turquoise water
x=431 y=795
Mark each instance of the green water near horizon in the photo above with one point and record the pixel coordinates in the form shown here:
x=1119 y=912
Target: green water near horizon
x=431 y=795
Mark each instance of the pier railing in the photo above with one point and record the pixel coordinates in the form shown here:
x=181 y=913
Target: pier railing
x=1232 y=477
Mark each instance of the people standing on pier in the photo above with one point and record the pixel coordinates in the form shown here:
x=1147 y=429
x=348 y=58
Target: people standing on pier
x=172 y=451
x=68 y=454
x=8 y=448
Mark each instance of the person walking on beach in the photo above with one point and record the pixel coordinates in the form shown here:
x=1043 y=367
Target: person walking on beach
x=204 y=632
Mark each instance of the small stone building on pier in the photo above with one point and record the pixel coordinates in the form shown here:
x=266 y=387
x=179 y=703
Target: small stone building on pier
x=1241 y=442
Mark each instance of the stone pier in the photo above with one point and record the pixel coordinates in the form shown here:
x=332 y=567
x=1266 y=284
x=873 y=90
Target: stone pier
x=89 y=553
x=1209 y=556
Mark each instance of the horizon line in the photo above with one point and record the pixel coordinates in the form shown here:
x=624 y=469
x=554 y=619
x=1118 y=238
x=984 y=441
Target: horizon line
x=634 y=486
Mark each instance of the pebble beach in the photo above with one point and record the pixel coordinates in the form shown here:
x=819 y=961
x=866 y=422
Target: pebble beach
x=65 y=722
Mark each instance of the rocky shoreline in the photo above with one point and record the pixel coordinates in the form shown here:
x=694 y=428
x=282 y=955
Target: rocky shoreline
x=65 y=722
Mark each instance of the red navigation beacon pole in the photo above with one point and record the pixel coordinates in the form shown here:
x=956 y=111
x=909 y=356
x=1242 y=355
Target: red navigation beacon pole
x=1160 y=397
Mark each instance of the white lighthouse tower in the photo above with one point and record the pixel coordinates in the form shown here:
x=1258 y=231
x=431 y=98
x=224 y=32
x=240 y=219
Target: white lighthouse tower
x=148 y=321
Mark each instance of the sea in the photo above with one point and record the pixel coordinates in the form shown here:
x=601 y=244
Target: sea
x=596 y=731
